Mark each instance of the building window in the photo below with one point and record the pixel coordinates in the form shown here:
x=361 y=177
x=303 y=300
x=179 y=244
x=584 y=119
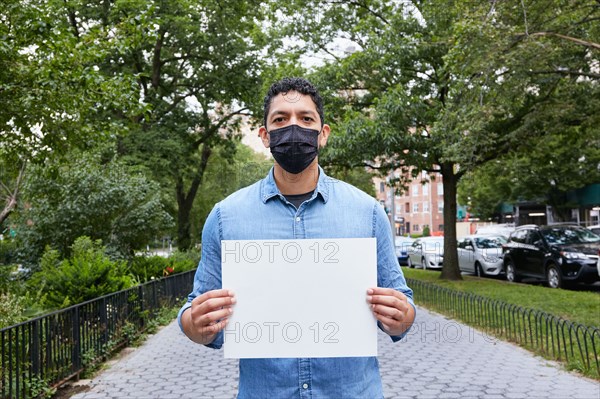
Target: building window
x=415 y=207
x=398 y=210
x=426 y=189
x=415 y=227
x=425 y=206
x=381 y=187
x=407 y=207
x=441 y=206
x=415 y=190
x=440 y=188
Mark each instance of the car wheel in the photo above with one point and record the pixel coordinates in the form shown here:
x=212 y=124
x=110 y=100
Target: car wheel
x=410 y=264
x=511 y=274
x=423 y=263
x=553 y=276
x=479 y=270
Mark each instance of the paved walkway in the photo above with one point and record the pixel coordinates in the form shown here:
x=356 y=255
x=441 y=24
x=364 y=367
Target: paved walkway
x=440 y=358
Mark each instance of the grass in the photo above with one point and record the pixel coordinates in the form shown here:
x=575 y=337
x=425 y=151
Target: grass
x=576 y=306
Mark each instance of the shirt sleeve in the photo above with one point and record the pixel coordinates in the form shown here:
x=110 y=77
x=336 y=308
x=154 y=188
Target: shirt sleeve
x=208 y=274
x=389 y=273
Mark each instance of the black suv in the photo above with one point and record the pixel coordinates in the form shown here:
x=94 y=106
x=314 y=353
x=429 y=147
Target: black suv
x=558 y=254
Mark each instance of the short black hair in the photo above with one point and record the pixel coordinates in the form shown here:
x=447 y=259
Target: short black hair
x=300 y=85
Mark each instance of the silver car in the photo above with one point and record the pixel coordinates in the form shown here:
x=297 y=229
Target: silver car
x=427 y=252
x=481 y=254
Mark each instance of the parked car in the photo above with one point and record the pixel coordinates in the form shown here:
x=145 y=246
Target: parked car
x=402 y=244
x=557 y=254
x=481 y=254
x=426 y=252
x=595 y=229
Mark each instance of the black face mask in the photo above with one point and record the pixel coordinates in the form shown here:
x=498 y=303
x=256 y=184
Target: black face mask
x=294 y=147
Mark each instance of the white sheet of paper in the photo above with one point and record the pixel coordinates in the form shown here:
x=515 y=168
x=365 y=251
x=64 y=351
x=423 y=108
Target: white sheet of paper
x=300 y=298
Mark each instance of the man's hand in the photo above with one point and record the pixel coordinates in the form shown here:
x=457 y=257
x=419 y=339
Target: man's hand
x=208 y=315
x=392 y=309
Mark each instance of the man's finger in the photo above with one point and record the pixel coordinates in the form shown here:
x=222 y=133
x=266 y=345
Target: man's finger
x=213 y=294
x=213 y=304
x=209 y=318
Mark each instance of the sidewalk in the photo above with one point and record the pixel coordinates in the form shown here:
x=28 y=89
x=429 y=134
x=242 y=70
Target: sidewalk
x=440 y=358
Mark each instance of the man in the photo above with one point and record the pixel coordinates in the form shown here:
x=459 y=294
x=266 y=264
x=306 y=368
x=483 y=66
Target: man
x=297 y=201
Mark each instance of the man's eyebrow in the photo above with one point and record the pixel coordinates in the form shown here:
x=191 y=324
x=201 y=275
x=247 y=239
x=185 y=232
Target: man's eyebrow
x=302 y=112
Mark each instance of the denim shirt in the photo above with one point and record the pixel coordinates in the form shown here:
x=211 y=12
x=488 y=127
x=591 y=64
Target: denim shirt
x=335 y=210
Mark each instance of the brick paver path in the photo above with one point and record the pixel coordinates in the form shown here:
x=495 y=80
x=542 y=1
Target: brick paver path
x=440 y=358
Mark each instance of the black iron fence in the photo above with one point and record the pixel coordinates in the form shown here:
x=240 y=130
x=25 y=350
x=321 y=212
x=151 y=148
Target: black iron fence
x=576 y=345
x=51 y=349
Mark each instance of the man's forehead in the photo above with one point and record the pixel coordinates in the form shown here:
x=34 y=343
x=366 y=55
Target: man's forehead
x=292 y=99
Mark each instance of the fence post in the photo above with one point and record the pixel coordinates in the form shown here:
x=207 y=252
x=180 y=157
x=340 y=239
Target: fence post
x=142 y=307
x=76 y=353
x=103 y=322
x=35 y=347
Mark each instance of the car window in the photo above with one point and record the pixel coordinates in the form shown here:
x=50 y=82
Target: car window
x=433 y=245
x=462 y=243
x=519 y=236
x=569 y=235
x=488 y=242
x=534 y=238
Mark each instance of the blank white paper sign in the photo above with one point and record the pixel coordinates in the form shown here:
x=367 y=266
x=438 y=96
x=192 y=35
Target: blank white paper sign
x=300 y=298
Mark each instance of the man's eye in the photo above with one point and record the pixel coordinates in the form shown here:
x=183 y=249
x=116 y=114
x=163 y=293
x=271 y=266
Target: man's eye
x=308 y=119
x=277 y=120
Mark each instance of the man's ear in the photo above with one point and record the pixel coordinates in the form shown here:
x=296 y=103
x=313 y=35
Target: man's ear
x=264 y=136
x=325 y=130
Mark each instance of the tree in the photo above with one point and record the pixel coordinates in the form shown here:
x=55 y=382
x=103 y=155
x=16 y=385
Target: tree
x=91 y=196
x=196 y=68
x=50 y=92
x=544 y=170
x=165 y=79
x=421 y=91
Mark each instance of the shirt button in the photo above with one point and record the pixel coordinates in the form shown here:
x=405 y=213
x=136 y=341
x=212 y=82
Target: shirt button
x=305 y=386
x=298 y=219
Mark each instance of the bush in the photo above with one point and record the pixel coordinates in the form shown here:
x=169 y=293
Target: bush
x=426 y=232
x=88 y=274
x=88 y=197
x=184 y=261
x=11 y=309
x=8 y=251
x=143 y=268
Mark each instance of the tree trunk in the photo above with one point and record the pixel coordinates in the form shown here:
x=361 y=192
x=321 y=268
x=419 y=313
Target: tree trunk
x=450 y=271
x=8 y=208
x=12 y=195
x=185 y=202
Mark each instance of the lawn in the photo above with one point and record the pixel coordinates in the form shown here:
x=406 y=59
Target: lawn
x=575 y=305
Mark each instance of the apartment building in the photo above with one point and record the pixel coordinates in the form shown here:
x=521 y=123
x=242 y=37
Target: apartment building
x=420 y=205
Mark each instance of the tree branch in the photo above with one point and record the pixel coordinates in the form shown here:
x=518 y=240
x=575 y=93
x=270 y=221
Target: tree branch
x=214 y=129
x=581 y=42
x=567 y=72
x=156 y=64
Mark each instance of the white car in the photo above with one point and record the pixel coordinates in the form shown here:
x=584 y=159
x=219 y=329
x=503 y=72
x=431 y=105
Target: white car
x=427 y=252
x=402 y=245
x=481 y=254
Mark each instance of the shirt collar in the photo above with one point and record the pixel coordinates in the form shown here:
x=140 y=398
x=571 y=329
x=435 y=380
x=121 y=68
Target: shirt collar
x=269 y=187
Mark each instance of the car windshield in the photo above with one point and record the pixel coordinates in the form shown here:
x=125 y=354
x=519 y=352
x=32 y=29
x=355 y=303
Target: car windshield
x=489 y=242
x=569 y=235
